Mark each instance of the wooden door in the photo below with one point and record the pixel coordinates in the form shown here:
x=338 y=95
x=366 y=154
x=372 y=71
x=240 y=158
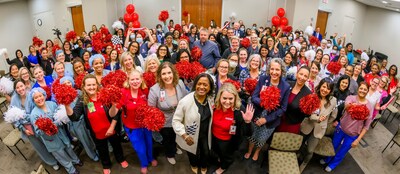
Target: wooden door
x=322 y=20
x=203 y=11
x=77 y=19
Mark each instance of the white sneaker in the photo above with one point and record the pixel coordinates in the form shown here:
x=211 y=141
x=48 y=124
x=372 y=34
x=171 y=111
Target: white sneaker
x=322 y=162
x=171 y=161
x=178 y=151
x=74 y=139
x=56 y=167
x=328 y=169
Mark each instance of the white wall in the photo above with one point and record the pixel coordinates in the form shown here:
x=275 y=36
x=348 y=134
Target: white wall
x=252 y=11
x=381 y=32
x=305 y=12
x=16 y=29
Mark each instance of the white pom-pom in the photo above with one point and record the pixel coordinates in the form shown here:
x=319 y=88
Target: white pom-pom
x=117 y=25
x=14 y=114
x=310 y=55
x=309 y=30
x=2 y=51
x=61 y=115
x=6 y=86
x=292 y=70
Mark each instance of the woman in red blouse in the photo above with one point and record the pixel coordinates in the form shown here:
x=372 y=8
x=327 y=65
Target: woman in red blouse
x=373 y=74
x=230 y=123
x=393 y=81
x=100 y=122
x=133 y=95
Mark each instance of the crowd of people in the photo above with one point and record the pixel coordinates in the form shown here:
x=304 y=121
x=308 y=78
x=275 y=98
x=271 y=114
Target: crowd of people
x=207 y=116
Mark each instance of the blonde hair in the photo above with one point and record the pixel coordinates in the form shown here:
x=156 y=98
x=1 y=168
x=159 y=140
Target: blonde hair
x=20 y=76
x=123 y=57
x=228 y=87
x=142 y=85
x=150 y=58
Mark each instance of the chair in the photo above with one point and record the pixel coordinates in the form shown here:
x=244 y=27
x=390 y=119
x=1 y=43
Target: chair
x=40 y=170
x=376 y=120
x=12 y=139
x=392 y=110
x=325 y=147
x=396 y=140
x=282 y=156
x=3 y=104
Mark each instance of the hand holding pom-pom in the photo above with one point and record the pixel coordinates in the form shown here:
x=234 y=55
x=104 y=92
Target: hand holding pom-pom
x=154 y=119
x=184 y=69
x=14 y=114
x=358 y=112
x=185 y=13
x=250 y=85
x=270 y=97
x=109 y=94
x=196 y=53
x=197 y=69
x=164 y=15
x=64 y=94
x=36 y=41
x=116 y=78
x=309 y=103
x=46 y=125
x=71 y=35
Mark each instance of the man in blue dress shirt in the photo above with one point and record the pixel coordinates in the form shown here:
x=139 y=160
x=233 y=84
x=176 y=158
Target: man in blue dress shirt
x=209 y=49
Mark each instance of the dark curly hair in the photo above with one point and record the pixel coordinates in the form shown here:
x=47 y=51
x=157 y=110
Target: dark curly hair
x=329 y=83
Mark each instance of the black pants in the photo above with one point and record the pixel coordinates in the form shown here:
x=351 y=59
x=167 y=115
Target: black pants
x=169 y=141
x=200 y=159
x=224 y=151
x=102 y=148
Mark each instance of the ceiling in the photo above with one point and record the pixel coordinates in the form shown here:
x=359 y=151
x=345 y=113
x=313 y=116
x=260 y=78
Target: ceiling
x=393 y=5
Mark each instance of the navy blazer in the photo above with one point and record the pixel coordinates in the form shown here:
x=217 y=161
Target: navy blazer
x=319 y=35
x=273 y=117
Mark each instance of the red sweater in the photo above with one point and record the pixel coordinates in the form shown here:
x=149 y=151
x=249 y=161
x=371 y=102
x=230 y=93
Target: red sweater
x=130 y=104
x=221 y=124
x=98 y=120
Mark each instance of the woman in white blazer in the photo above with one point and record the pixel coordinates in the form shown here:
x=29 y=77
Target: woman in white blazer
x=192 y=122
x=165 y=95
x=317 y=123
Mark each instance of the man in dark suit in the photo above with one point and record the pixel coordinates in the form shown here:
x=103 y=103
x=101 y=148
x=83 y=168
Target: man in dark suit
x=239 y=33
x=317 y=34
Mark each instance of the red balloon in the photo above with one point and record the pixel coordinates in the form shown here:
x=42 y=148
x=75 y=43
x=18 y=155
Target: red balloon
x=135 y=17
x=284 y=21
x=136 y=24
x=127 y=18
x=281 y=12
x=130 y=8
x=276 y=21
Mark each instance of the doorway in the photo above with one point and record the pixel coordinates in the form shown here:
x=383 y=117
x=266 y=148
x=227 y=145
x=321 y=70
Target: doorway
x=202 y=11
x=322 y=20
x=77 y=20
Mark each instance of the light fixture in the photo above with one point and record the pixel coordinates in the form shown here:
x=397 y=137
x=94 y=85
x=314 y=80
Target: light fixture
x=385 y=2
x=397 y=9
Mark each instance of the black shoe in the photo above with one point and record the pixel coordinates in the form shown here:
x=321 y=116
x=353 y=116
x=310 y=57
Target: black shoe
x=80 y=164
x=125 y=139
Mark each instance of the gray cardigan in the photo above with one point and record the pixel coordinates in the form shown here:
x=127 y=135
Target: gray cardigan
x=167 y=108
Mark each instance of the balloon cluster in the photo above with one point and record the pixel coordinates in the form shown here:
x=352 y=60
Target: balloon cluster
x=281 y=21
x=131 y=16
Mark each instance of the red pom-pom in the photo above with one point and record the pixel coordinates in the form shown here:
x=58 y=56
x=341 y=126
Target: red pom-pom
x=178 y=27
x=270 y=97
x=185 y=13
x=250 y=85
x=334 y=67
x=55 y=84
x=164 y=15
x=234 y=83
x=64 y=94
x=245 y=42
x=140 y=113
x=48 y=91
x=71 y=35
x=97 y=45
x=358 y=112
x=55 y=48
x=196 y=53
x=46 y=125
x=154 y=119
x=197 y=69
x=184 y=69
x=87 y=66
x=314 y=41
x=273 y=34
x=116 y=78
x=104 y=30
x=149 y=78
x=309 y=103
x=288 y=29
x=110 y=94
x=36 y=41
x=79 y=80
x=185 y=37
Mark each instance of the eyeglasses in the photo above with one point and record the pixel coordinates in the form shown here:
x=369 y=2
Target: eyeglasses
x=374 y=82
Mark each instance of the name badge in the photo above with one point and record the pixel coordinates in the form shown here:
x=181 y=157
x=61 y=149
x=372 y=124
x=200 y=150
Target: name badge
x=228 y=118
x=91 y=107
x=162 y=96
x=232 y=130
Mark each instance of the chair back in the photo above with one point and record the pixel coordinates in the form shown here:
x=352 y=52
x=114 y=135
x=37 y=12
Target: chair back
x=285 y=141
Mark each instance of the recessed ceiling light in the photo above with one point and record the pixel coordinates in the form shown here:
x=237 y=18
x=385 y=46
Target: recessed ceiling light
x=397 y=10
x=385 y=2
